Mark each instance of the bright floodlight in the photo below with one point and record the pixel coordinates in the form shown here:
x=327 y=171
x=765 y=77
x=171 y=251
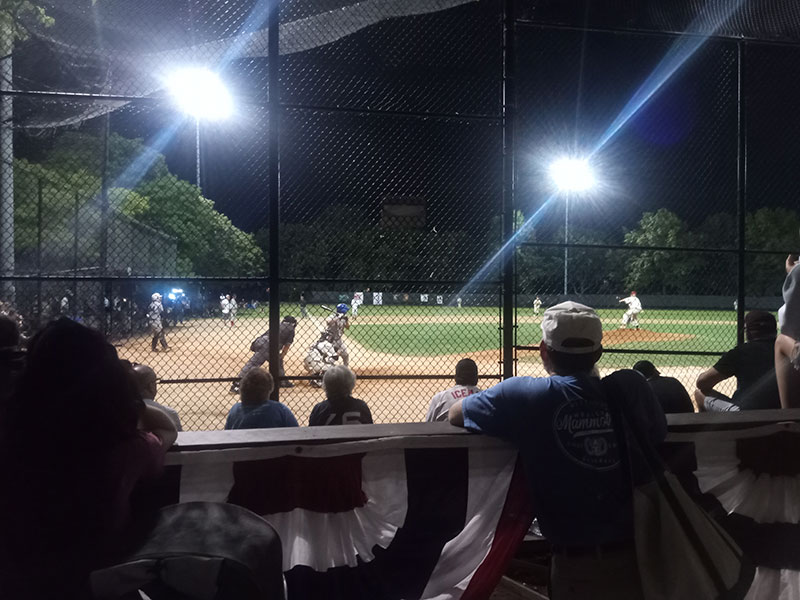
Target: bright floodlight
x=572 y=174
x=201 y=94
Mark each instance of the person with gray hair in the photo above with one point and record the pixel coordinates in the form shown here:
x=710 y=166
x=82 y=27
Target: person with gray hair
x=340 y=408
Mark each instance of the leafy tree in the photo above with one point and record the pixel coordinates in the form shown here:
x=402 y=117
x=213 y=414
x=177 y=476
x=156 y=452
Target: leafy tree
x=13 y=17
x=718 y=230
x=659 y=271
x=769 y=229
x=714 y=273
x=208 y=243
x=58 y=205
x=207 y=240
x=130 y=161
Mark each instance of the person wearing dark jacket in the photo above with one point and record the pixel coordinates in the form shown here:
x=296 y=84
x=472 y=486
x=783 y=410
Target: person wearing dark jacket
x=340 y=408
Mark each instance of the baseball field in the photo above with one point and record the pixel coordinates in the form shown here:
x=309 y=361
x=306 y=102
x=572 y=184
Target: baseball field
x=396 y=351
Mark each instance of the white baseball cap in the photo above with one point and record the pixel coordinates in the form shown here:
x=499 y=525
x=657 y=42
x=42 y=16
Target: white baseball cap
x=572 y=328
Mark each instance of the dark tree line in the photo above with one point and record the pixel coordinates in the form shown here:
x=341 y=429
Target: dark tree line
x=342 y=245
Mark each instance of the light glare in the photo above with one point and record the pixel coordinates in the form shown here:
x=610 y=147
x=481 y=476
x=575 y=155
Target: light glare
x=572 y=174
x=201 y=94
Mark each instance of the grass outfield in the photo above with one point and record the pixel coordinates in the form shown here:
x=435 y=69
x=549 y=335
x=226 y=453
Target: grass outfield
x=437 y=330
x=695 y=331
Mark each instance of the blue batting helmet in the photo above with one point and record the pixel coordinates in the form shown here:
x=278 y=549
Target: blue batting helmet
x=342 y=308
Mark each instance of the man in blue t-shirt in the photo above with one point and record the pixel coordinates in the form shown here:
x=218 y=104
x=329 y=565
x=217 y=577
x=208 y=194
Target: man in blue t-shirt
x=256 y=410
x=565 y=435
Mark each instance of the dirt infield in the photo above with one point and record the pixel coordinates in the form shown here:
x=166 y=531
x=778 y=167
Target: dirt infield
x=615 y=337
x=207 y=348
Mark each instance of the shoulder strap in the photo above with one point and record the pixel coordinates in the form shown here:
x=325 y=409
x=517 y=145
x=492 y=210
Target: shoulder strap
x=624 y=421
x=611 y=391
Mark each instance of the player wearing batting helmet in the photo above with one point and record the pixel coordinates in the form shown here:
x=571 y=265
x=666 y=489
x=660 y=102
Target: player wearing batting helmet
x=335 y=325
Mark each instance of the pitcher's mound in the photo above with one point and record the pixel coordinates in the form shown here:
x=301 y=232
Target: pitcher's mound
x=626 y=336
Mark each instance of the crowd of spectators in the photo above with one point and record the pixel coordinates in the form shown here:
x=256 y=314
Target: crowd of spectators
x=257 y=411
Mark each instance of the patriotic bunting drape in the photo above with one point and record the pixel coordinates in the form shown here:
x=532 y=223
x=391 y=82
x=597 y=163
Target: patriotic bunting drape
x=393 y=519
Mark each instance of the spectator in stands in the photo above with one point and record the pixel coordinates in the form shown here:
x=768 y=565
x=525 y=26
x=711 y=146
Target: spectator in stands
x=147 y=383
x=76 y=443
x=787 y=344
x=752 y=364
x=256 y=410
x=12 y=359
x=669 y=392
x=466 y=385
x=339 y=407
x=562 y=427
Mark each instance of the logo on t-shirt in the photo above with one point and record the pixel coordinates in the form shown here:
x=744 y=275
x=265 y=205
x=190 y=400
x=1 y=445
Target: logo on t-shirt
x=585 y=433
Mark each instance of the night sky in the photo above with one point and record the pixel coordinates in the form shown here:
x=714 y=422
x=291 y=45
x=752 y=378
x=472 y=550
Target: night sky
x=679 y=151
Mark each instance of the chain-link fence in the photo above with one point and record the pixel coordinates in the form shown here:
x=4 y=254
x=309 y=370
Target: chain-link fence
x=388 y=156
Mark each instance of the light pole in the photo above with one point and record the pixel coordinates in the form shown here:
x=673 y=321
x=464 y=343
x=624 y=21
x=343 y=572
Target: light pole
x=201 y=94
x=570 y=175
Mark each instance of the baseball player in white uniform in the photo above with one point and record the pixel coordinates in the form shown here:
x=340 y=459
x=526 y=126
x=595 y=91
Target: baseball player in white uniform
x=232 y=307
x=537 y=306
x=466 y=385
x=321 y=357
x=335 y=325
x=225 y=307
x=358 y=300
x=631 y=316
x=154 y=312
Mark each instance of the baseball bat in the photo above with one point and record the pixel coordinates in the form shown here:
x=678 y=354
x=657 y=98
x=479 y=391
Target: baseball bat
x=325 y=307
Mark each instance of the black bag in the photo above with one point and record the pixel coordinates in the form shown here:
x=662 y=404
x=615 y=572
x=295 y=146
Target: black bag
x=681 y=551
x=200 y=550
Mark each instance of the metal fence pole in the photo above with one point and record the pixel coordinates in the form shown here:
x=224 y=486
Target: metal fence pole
x=104 y=220
x=741 y=188
x=566 y=245
x=197 y=153
x=274 y=177
x=39 y=202
x=508 y=189
x=75 y=248
x=7 y=248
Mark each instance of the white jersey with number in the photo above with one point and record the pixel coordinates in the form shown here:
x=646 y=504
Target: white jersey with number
x=441 y=402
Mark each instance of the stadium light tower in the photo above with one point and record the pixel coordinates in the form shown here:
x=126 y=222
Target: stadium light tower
x=201 y=94
x=571 y=176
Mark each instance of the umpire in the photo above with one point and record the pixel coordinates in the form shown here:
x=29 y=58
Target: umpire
x=260 y=349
